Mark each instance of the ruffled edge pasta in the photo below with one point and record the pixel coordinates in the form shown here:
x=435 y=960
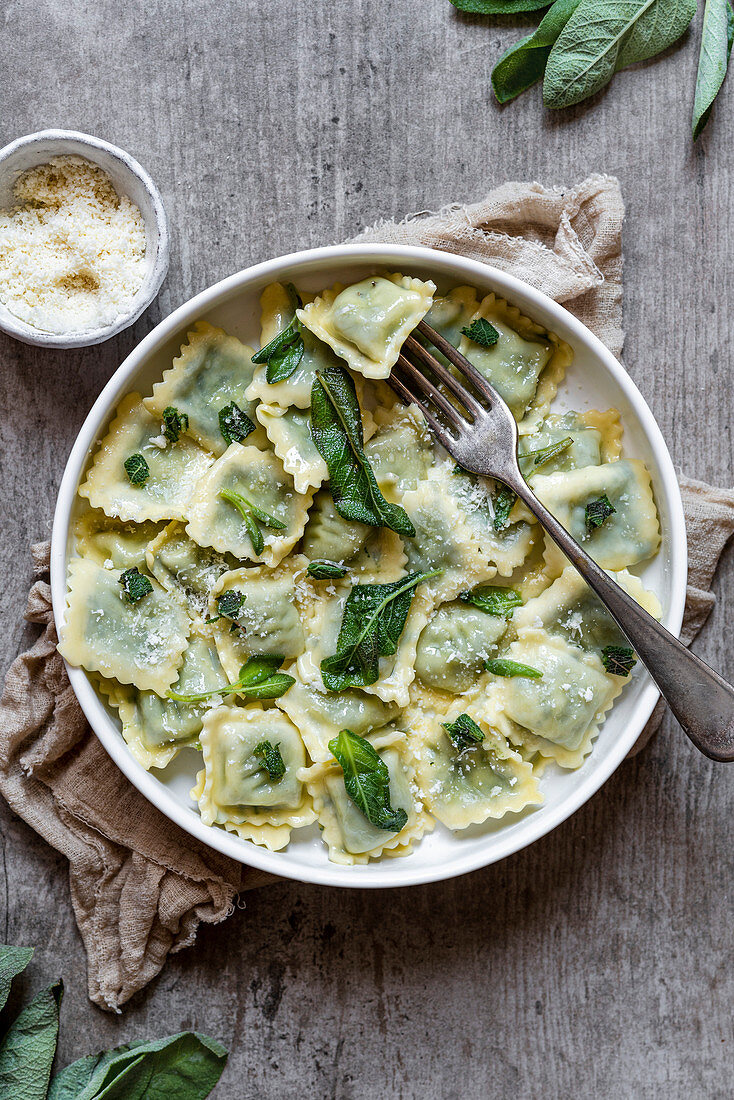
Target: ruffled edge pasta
x=311 y=316
x=489 y=699
x=270 y=830
x=425 y=727
x=163 y=394
x=140 y=508
x=157 y=680
x=276 y=547
x=304 y=593
x=419 y=821
x=306 y=474
x=555 y=369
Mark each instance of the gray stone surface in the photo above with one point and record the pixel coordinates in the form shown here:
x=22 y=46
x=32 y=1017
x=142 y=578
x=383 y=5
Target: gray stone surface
x=597 y=963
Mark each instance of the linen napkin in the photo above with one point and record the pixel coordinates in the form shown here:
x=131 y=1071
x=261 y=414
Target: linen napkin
x=140 y=886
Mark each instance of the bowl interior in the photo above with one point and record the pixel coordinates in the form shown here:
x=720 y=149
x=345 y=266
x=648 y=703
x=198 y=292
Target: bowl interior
x=130 y=180
x=595 y=380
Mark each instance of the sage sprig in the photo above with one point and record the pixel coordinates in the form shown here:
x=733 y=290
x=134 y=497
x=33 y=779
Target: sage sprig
x=579 y=45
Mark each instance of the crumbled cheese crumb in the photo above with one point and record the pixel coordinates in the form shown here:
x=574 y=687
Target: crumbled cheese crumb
x=72 y=251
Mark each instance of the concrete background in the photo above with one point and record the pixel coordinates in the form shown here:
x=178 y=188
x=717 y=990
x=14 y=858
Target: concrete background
x=597 y=963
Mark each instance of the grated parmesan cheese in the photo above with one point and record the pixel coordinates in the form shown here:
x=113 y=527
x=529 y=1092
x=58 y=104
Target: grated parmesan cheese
x=72 y=251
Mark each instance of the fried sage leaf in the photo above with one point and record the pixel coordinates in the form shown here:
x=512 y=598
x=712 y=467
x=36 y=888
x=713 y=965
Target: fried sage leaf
x=367 y=781
x=373 y=620
x=336 y=429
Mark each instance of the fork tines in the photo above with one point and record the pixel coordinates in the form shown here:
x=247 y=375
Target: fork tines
x=412 y=385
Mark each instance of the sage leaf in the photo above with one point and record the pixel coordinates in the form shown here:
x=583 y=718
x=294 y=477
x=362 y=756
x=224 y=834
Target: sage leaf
x=13 y=961
x=322 y=570
x=373 y=620
x=464 y=733
x=597 y=512
x=501 y=666
x=186 y=1066
x=258 y=679
x=503 y=503
x=603 y=36
x=367 y=781
x=532 y=459
x=499 y=7
x=336 y=429
x=717 y=36
x=28 y=1047
x=619 y=660
x=524 y=63
x=494 y=600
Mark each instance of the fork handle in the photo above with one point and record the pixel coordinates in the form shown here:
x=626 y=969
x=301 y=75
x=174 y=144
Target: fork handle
x=700 y=699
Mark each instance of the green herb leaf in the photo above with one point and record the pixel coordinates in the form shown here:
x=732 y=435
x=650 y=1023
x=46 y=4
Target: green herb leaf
x=717 y=36
x=499 y=7
x=500 y=666
x=174 y=423
x=322 y=570
x=258 y=679
x=180 y=1067
x=524 y=63
x=137 y=469
x=494 y=600
x=464 y=733
x=230 y=603
x=597 y=512
x=618 y=659
x=604 y=36
x=283 y=354
x=135 y=585
x=272 y=760
x=234 y=424
x=373 y=620
x=367 y=781
x=252 y=515
x=482 y=333
x=503 y=504
x=532 y=459
x=28 y=1047
x=13 y=961
x=336 y=429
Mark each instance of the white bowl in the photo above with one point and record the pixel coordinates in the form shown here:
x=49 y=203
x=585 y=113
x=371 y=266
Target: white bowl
x=595 y=380
x=130 y=179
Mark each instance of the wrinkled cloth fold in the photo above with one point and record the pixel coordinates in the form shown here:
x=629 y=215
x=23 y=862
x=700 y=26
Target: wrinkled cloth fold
x=140 y=886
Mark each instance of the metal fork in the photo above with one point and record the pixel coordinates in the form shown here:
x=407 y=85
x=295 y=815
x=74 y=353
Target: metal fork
x=482 y=437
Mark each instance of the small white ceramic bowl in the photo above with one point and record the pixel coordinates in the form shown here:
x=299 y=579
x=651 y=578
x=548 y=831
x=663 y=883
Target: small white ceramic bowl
x=130 y=179
x=595 y=380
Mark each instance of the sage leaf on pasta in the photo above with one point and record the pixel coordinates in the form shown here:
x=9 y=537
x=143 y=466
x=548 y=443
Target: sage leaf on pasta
x=367 y=781
x=336 y=430
x=604 y=36
x=717 y=36
x=524 y=63
x=373 y=620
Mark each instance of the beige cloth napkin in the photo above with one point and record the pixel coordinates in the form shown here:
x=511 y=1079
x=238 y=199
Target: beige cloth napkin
x=140 y=886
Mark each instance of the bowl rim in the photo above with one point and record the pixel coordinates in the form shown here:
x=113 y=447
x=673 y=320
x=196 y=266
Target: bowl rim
x=160 y=246
x=382 y=255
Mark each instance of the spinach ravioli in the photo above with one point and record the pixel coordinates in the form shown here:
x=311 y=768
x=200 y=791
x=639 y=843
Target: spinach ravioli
x=280 y=577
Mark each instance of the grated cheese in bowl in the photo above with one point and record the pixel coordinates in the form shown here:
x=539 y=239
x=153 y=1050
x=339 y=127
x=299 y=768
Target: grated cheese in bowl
x=72 y=251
